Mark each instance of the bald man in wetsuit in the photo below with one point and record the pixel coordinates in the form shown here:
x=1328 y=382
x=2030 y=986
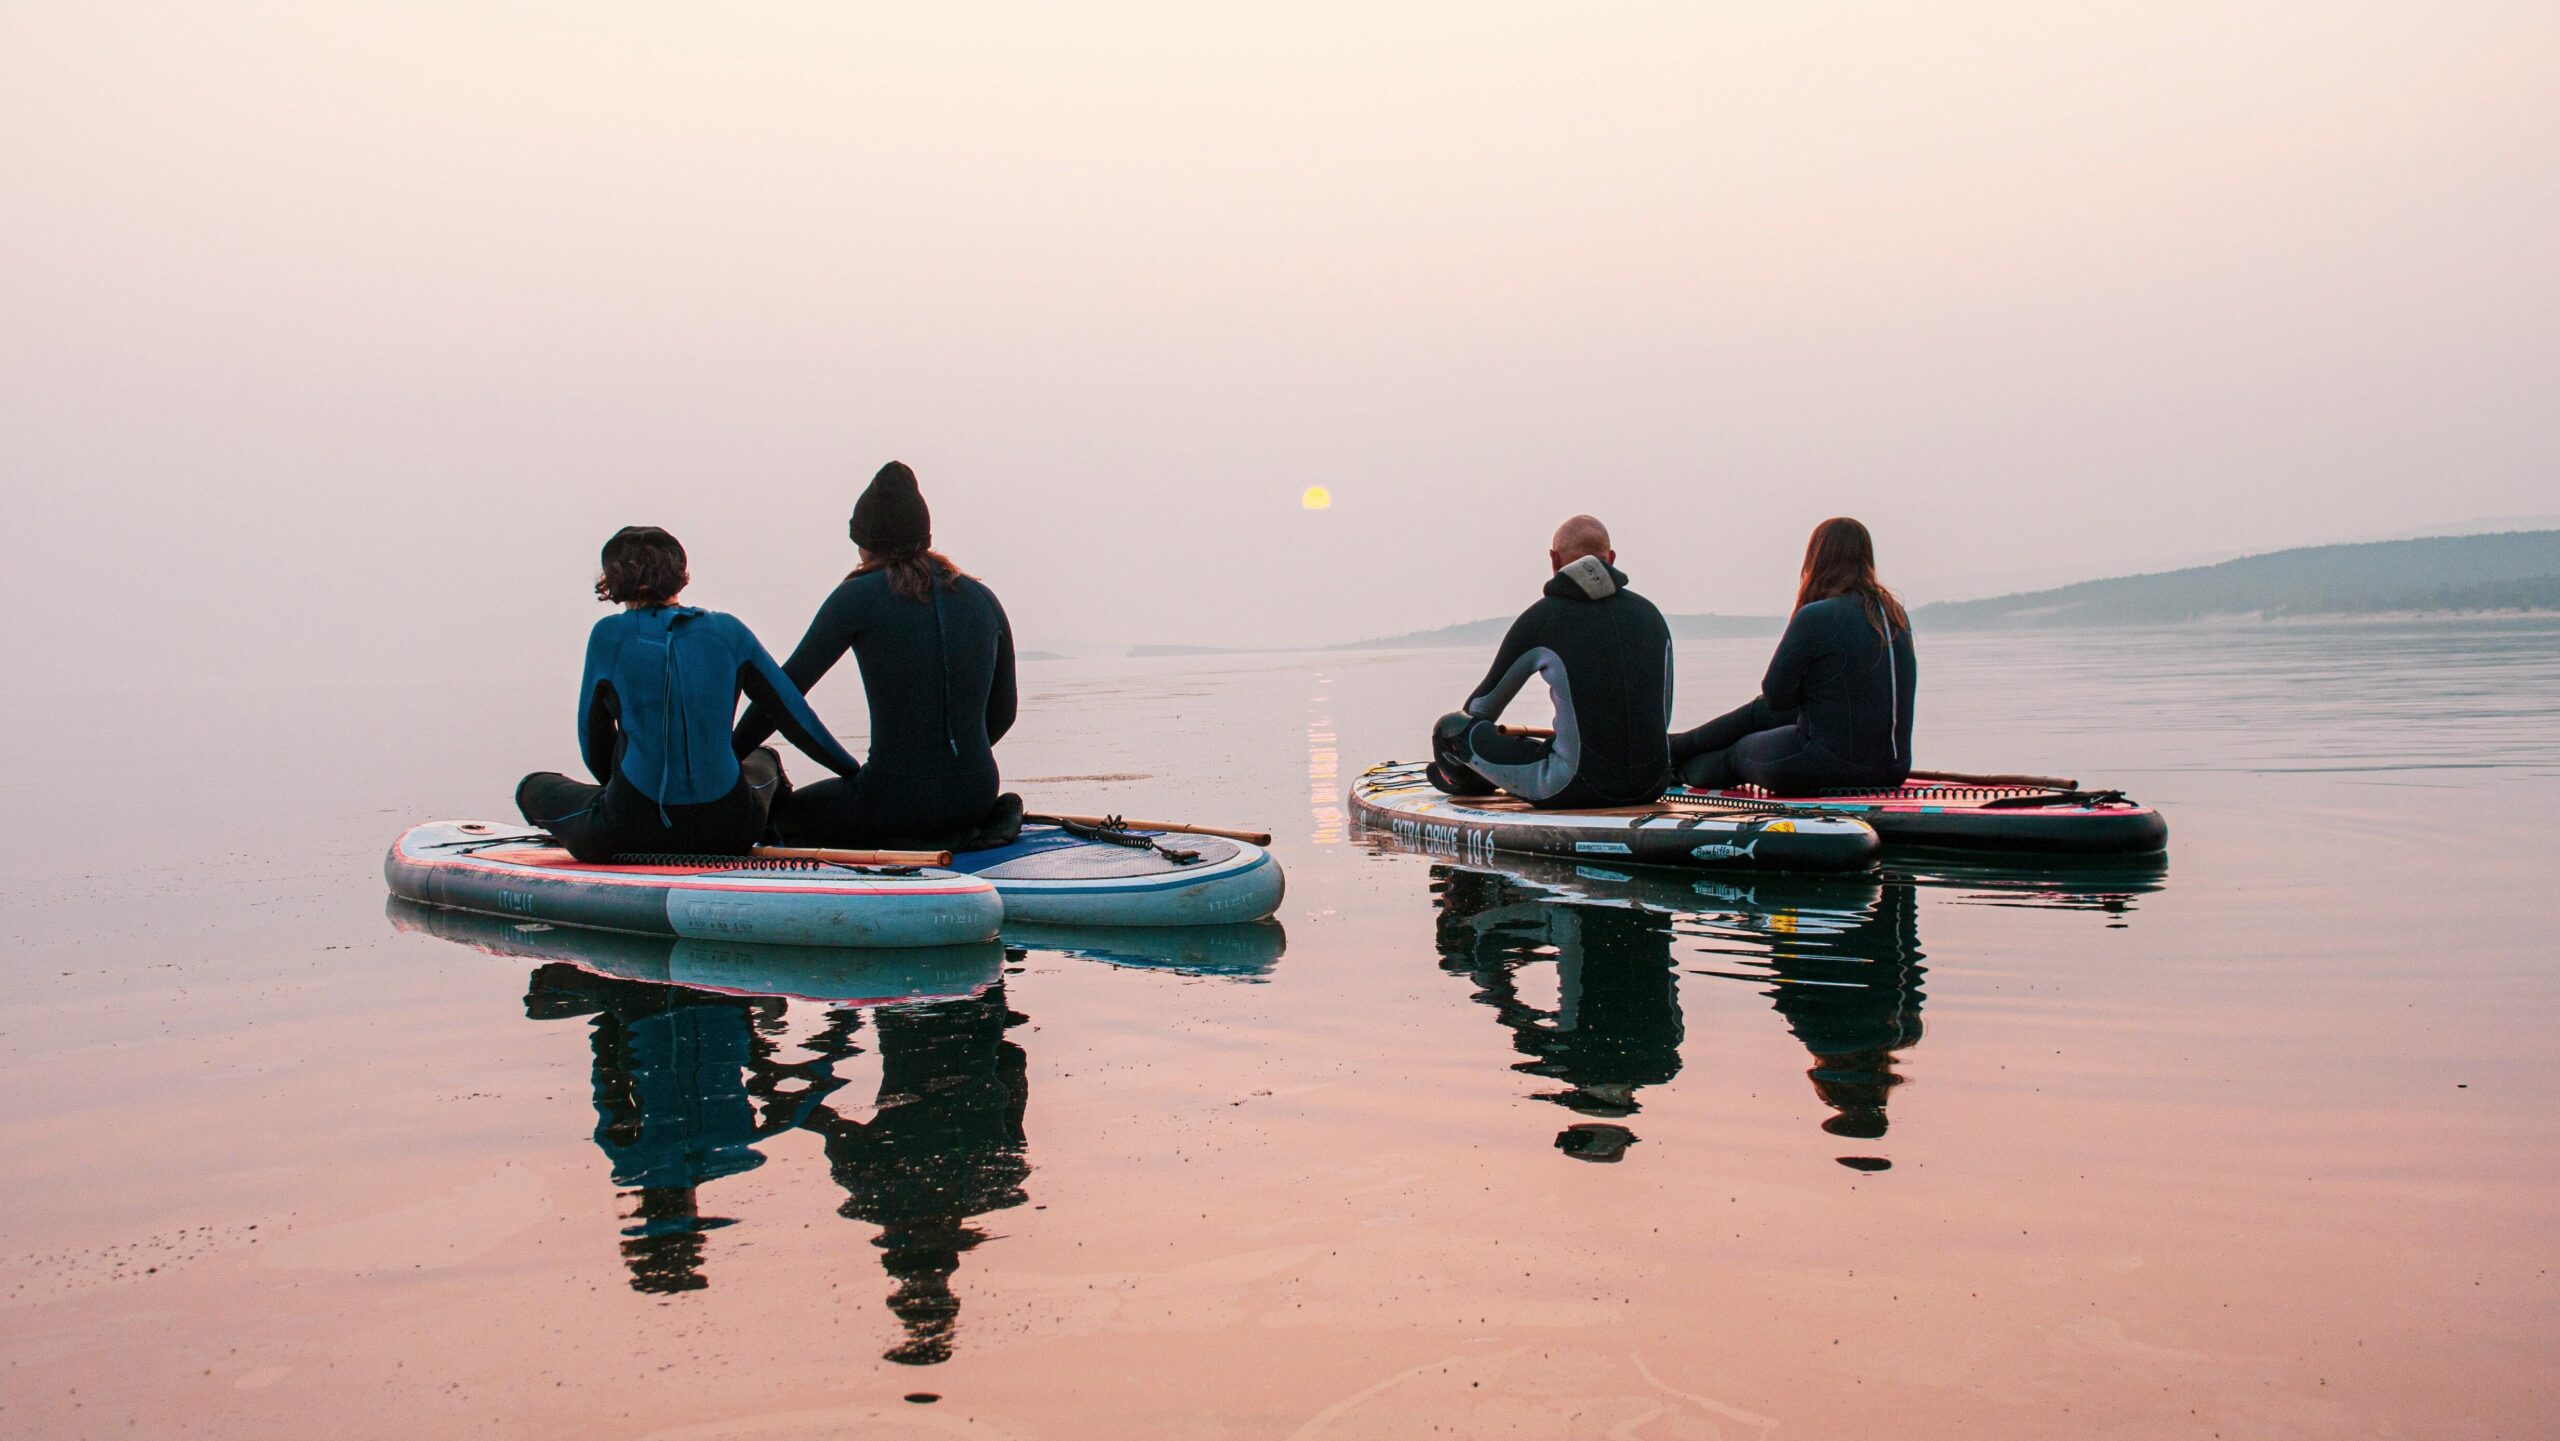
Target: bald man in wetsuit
x=1605 y=653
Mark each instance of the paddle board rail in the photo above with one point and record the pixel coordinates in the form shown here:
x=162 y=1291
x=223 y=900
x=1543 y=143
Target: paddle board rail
x=2009 y=814
x=1398 y=799
x=498 y=869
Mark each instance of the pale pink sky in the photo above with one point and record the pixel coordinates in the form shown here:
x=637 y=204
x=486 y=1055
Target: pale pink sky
x=343 y=312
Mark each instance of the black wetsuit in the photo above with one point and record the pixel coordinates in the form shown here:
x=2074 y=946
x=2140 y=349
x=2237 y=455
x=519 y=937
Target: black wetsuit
x=938 y=675
x=1834 y=711
x=1606 y=654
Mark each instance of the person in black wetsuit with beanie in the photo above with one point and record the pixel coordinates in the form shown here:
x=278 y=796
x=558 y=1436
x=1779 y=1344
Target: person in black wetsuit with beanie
x=1834 y=711
x=936 y=655
x=654 y=711
x=1605 y=654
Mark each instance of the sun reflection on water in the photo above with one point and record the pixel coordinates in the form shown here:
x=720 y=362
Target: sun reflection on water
x=1324 y=767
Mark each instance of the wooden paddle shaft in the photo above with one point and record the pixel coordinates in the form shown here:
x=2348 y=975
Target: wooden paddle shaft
x=1251 y=838
x=2051 y=783
x=854 y=858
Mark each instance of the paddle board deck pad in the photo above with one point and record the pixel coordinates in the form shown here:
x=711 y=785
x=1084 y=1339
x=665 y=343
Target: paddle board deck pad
x=502 y=870
x=857 y=978
x=1055 y=877
x=1396 y=798
x=2027 y=819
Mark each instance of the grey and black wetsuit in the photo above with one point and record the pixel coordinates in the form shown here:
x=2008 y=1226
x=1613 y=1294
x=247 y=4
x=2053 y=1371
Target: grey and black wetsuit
x=1606 y=654
x=938 y=674
x=1833 y=712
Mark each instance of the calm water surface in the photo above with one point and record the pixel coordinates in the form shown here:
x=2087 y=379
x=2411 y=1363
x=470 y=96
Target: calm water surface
x=2256 y=1143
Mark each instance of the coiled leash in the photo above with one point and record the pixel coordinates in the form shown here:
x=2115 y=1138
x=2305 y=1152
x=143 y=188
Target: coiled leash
x=482 y=843
x=1114 y=831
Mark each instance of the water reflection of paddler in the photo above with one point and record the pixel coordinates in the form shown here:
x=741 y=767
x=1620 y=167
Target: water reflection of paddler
x=944 y=1145
x=672 y=1109
x=1616 y=1027
x=1853 y=998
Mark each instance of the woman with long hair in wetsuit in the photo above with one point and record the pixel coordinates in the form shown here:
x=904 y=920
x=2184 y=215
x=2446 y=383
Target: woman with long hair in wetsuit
x=936 y=655
x=654 y=709
x=1834 y=711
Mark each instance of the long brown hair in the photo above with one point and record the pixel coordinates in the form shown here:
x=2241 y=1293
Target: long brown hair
x=914 y=573
x=1840 y=559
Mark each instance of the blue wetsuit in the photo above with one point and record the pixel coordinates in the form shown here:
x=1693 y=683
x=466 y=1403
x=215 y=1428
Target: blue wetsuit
x=654 y=711
x=1833 y=713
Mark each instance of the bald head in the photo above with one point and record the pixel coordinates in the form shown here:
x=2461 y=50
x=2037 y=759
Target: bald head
x=1583 y=535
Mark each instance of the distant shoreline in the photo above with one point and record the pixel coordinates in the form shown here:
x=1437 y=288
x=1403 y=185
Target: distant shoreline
x=2239 y=620
x=2460 y=578
x=2236 y=620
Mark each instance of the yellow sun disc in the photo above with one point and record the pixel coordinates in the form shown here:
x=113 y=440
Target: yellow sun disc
x=1316 y=497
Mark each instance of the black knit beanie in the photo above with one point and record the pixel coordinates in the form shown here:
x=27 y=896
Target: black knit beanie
x=891 y=516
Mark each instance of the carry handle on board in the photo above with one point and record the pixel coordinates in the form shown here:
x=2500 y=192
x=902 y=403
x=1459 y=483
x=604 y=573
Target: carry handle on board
x=1251 y=838
x=853 y=858
x=1960 y=778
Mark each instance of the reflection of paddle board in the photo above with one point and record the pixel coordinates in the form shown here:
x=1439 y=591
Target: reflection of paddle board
x=1247 y=951
x=1687 y=892
x=1398 y=800
x=2109 y=884
x=1052 y=876
x=845 y=978
x=2027 y=818
x=499 y=870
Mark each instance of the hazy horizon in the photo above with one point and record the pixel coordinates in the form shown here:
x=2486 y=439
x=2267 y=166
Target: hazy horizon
x=328 y=320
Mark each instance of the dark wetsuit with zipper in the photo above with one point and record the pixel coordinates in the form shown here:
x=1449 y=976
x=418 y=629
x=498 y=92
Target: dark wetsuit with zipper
x=1833 y=713
x=654 y=711
x=938 y=674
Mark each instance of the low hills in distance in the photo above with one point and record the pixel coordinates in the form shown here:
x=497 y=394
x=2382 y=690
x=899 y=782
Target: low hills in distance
x=2508 y=571
x=1488 y=633
x=2514 y=570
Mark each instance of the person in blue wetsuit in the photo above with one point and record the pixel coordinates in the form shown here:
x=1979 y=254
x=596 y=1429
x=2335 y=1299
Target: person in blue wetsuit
x=654 y=710
x=1605 y=654
x=1834 y=711
x=936 y=655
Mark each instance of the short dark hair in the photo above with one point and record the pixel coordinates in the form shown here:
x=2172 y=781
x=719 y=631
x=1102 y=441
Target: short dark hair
x=643 y=565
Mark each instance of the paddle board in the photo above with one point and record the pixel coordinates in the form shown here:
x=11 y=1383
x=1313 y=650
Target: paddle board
x=506 y=870
x=2024 y=818
x=1396 y=798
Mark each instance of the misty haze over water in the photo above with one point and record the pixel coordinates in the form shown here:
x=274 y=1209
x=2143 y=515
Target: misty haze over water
x=337 y=337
